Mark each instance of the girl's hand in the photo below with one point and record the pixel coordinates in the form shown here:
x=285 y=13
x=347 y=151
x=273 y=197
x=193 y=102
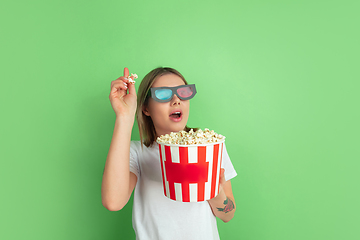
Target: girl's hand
x=123 y=96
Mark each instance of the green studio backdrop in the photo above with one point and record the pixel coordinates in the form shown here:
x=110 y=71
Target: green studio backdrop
x=278 y=78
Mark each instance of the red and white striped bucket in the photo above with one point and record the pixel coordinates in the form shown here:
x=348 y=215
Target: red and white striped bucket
x=191 y=173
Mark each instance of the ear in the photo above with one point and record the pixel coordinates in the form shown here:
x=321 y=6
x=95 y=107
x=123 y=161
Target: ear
x=145 y=111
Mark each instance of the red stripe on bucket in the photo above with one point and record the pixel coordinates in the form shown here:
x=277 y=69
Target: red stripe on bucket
x=214 y=170
x=171 y=184
x=162 y=169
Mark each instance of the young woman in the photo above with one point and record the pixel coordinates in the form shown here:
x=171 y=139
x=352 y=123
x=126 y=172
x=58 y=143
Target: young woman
x=136 y=164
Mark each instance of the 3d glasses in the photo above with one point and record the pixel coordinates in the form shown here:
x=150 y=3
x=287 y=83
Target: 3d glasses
x=165 y=94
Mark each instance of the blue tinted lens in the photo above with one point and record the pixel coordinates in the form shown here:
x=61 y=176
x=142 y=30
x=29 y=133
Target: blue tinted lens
x=163 y=94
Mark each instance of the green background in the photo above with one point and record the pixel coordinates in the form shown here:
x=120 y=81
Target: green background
x=280 y=79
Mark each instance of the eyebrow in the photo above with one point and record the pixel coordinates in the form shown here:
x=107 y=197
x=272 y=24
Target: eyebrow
x=170 y=87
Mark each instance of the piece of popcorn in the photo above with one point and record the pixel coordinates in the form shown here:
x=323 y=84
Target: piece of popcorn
x=134 y=75
x=131 y=80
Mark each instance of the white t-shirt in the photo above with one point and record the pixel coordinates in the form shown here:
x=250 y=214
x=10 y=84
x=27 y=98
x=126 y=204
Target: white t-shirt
x=157 y=217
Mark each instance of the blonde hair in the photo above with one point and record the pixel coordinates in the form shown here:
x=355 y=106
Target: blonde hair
x=145 y=123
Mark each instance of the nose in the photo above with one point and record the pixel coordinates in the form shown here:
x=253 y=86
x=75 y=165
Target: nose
x=175 y=100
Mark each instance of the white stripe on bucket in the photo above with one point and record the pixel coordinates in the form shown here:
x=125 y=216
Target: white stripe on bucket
x=192 y=154
x=175 y=158
x=209 y=159
x=178 y=192
x=193 y=192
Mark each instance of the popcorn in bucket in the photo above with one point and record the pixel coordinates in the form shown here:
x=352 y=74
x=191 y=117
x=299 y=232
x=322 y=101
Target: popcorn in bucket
x=191 y=170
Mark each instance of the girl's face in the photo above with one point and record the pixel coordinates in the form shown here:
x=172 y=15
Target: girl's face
x=170 y=116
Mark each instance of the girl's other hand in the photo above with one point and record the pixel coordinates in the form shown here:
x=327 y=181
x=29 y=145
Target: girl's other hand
x=123 y=96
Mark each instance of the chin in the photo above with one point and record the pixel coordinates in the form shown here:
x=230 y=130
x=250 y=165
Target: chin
x=179 y=128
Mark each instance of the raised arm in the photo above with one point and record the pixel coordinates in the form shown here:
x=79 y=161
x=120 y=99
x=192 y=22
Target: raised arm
x=118 y=182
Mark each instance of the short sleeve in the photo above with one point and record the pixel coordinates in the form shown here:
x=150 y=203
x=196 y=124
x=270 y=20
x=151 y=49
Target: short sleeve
x=134 y=158
x=227 y=165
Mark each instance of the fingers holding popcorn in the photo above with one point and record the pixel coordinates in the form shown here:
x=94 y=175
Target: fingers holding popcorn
x=123 y=80
x=126 y=78
x=123 y=94
x=132 y=77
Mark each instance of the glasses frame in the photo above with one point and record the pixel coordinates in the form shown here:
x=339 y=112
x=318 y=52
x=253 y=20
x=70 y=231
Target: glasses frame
x=174 y=91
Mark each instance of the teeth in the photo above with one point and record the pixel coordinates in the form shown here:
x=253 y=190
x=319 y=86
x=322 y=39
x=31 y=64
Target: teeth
x=176 y=112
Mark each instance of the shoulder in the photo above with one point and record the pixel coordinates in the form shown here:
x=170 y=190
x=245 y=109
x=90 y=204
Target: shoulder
x=135 y=145
x=136 y=148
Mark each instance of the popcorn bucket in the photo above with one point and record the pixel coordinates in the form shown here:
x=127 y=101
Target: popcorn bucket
x=191 y=173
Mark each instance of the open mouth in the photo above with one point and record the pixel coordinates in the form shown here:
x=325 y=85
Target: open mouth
x=176 y=116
